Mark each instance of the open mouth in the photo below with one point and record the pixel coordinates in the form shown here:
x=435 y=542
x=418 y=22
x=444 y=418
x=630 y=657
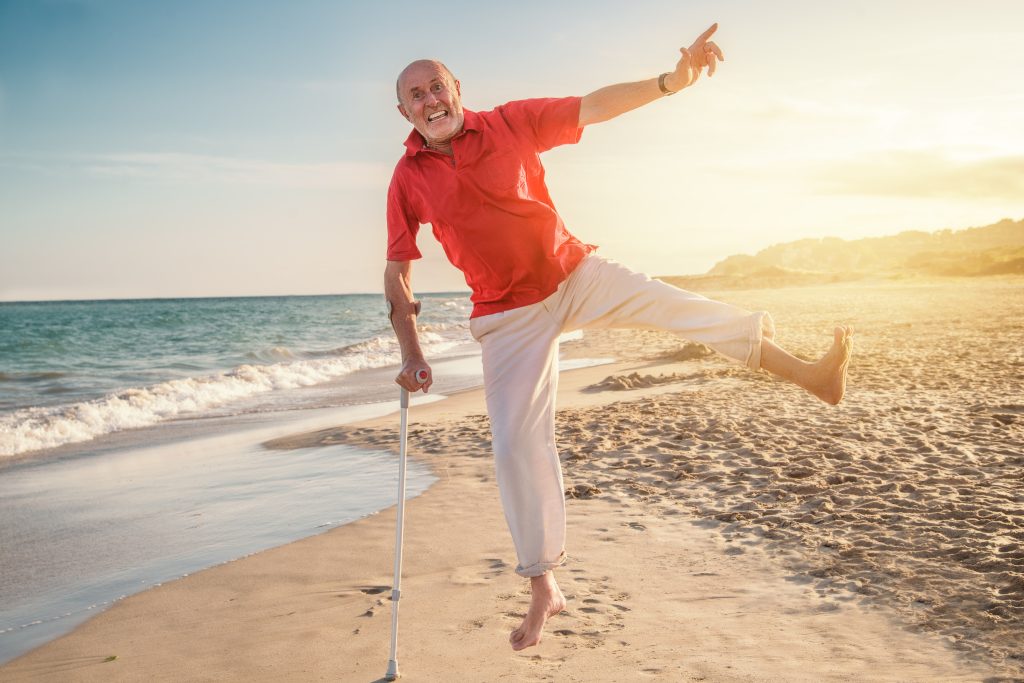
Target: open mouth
x=436 y=116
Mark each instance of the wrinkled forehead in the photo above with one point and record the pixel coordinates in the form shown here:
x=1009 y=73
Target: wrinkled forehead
x=420 y=76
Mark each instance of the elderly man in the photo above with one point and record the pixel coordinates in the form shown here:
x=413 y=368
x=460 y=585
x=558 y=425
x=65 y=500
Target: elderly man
x=476 y=177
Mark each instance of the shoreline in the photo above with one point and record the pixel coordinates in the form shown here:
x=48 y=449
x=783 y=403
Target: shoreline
x=92 y=528
x=114 y=492
x=318 y=606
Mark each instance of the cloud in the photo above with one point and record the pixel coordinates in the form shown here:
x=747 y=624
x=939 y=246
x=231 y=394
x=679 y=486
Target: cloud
x=800 y=111
x=925 y=173
x=178 y=167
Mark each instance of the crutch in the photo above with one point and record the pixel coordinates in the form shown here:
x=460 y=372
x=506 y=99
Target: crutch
x=396 y=591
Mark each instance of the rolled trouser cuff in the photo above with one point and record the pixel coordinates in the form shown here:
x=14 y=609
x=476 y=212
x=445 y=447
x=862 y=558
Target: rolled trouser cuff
x=540 y=568
x=761 y=327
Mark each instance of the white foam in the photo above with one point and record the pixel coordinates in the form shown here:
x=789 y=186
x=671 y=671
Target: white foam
x=33 y=429
x=276 y=353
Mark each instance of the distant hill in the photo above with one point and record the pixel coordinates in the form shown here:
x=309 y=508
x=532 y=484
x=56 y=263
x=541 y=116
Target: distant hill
x=992 y=250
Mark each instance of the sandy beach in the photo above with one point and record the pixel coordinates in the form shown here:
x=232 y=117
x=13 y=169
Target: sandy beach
x=722 y=526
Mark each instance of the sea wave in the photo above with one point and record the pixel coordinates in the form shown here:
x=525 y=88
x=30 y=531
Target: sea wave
x=275 y=353
x=37 y=428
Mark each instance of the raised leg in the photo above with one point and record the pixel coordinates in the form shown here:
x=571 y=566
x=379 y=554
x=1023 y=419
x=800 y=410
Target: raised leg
x=603 y=293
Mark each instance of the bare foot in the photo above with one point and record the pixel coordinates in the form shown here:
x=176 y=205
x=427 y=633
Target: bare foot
x=546 y=601
x=827 y=377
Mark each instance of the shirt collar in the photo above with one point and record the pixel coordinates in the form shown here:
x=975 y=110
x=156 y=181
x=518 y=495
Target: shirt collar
x=414 y=144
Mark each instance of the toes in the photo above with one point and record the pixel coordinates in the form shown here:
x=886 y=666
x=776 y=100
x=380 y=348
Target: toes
x=843 y=334
x=520 y=642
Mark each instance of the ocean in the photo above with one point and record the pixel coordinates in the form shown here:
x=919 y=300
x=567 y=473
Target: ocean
x=131 y=432
x=74 y=371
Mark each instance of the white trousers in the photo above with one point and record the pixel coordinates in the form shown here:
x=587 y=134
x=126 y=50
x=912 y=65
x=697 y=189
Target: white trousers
x=520 y=359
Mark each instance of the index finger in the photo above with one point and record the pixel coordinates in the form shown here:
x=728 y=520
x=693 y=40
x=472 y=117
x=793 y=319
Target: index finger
x=707 y=34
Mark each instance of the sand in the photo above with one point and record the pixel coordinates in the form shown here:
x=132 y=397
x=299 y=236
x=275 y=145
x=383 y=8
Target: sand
x=722 y=526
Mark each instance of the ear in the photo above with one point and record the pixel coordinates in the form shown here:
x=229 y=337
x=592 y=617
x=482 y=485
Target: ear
x=403 y=112
x=458 y=87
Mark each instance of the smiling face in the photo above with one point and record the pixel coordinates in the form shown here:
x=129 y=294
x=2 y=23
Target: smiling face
x=430 y=100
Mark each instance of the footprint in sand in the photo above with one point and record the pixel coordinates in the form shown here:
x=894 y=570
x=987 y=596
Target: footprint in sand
x=366 y=591
x=495 y=567
x=373 y=610
x=597 y=606
x=601 y=609
x=472 y=625
x=491 y=568
x=652 y=671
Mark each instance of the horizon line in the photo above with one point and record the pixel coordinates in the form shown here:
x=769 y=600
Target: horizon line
x=212 y=296
x=466 y=291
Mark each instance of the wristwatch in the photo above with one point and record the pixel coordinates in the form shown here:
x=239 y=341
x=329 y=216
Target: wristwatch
x=663 y=87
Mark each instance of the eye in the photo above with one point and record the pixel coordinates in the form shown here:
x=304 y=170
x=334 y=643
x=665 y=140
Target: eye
x=417 y=95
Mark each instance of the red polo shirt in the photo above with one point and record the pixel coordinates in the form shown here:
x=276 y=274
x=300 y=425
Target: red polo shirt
x=488 y=204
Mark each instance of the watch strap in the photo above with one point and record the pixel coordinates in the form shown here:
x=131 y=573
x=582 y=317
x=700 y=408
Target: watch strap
x=663 y=87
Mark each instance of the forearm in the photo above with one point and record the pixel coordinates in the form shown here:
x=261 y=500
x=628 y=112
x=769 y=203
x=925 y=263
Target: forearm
x=614 y=100
x=403 y=308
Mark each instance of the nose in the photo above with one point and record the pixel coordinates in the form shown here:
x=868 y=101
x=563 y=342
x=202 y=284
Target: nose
x=432 y=98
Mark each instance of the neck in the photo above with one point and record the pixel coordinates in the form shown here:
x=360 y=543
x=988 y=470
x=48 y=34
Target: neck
x=442 y=147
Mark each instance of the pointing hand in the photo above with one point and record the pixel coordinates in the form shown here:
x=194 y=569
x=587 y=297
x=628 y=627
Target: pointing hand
x=702 y=53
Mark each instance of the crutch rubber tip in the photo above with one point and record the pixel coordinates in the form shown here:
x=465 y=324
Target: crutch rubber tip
x=392 y=674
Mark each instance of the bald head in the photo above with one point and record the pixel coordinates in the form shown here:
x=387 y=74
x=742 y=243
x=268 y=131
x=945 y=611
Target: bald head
x=418 y=65
x=429 y=98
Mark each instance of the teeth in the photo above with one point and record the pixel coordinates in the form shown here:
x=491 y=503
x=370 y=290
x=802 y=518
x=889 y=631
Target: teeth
x=436 y=115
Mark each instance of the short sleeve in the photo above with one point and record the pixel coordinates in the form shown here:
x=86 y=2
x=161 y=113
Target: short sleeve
x=402 y=223
x=549 y=122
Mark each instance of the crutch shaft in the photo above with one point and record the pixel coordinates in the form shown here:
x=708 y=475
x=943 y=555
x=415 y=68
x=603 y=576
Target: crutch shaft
x=396 y=590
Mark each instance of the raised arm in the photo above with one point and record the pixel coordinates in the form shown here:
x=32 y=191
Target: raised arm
x=613 y=100
x=403 y=310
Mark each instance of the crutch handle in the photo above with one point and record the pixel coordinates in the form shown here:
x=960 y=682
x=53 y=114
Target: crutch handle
x=421 y=376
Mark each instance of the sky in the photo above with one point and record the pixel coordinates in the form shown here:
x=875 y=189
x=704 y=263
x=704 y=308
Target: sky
x=222 y=148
